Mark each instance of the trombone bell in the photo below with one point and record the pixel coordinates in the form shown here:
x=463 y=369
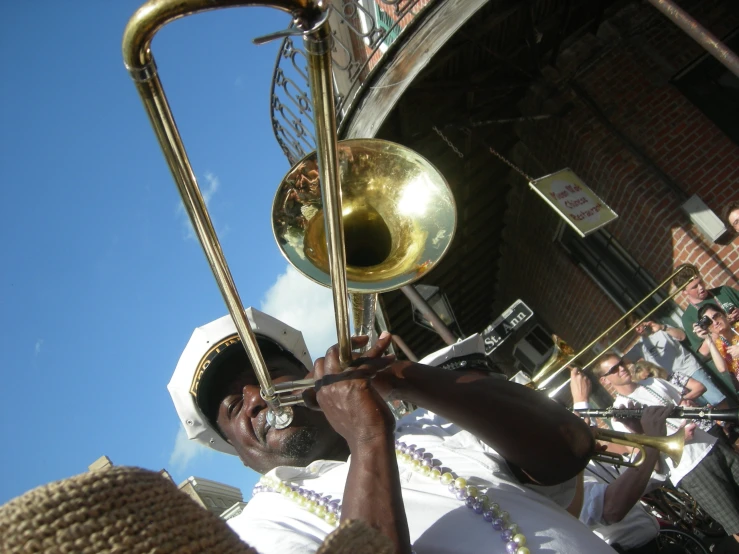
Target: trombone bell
x=398 y=213
x=672 y=445
x=561 y=355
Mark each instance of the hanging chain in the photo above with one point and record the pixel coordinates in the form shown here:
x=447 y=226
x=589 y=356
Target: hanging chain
x=449 y=142
x=510 y=164
x=502 y=158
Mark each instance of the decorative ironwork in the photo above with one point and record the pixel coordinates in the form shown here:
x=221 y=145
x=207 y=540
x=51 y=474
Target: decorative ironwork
x=363 y=31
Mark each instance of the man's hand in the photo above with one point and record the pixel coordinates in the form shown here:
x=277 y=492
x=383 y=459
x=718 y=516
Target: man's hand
x=353 y=407
x=580 y=385
x=654 y=326
x=653 y=420
x=634 y=425
x=689 y=430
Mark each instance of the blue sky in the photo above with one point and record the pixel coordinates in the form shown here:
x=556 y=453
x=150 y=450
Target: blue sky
x=102 y=282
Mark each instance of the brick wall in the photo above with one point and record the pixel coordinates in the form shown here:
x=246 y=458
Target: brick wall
x=613 y=90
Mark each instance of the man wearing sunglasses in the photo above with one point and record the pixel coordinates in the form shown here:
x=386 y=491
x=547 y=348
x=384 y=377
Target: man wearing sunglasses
x=708 y=470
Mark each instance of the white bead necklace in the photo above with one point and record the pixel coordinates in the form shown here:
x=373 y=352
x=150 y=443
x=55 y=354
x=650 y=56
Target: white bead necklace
x=424 y=463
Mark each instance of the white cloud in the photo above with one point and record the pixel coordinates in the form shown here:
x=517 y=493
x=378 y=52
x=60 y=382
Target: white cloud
x=303 y=304
x=185 y=451
x=37 y=347
x=211 y=188
x=212 y=185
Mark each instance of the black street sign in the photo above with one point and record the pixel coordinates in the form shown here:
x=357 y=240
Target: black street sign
x=503 y=327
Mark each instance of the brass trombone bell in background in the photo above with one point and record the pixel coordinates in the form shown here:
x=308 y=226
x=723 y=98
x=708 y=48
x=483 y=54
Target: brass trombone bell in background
x=564 y=356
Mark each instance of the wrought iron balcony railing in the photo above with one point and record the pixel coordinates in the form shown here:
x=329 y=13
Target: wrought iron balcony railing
x=364 y=31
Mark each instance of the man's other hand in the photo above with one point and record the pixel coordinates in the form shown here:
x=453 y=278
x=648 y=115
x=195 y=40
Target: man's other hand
x=653 y=420
x=580 y=385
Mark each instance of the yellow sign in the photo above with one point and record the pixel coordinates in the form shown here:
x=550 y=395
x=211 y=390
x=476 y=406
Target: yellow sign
x=574 y=201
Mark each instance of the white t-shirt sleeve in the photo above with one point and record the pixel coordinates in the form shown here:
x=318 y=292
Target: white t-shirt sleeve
x=592 y=507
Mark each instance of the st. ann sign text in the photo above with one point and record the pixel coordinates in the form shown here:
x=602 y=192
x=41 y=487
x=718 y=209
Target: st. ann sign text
x=503 y=327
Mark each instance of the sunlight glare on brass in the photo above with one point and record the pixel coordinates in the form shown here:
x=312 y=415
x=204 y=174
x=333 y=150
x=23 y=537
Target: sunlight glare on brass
x=398 y=214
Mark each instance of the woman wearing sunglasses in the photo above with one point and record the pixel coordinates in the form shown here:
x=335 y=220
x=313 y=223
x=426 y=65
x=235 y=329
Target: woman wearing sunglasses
x=722 y=338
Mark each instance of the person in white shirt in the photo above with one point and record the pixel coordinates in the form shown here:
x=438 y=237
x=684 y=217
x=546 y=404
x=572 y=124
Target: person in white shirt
x=659 y=343
x=708 y=470
x=485 y=460
x=611 y=506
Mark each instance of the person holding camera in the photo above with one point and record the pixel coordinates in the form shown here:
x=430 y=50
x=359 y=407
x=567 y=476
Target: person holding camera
x=721 y=338
x=697 y=295
x=660 y=344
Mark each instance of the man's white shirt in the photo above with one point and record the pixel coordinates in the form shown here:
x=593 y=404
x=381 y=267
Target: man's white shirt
x=438 y=522
x=658 y=392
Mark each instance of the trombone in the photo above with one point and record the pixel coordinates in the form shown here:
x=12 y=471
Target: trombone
x=562 y=357
x=424 y=188
x=424 y=193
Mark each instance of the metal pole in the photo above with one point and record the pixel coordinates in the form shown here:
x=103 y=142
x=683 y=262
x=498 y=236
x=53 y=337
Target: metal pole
x=400 y=343
x=422 y=306
x=698 y=33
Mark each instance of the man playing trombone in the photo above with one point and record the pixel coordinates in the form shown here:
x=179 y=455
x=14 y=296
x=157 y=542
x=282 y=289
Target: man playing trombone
x=491 y=460
x=708 y=470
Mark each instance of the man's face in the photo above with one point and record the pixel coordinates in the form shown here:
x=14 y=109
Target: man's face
x=615 y=371
x=696 y=290
x=242 y=417
x=734 y=220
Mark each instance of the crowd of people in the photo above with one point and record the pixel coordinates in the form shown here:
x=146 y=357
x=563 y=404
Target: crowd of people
x=654 y=369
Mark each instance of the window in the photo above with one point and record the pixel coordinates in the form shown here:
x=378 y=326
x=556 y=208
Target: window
x=618 y=275
x=532 y=351
x=714 y=89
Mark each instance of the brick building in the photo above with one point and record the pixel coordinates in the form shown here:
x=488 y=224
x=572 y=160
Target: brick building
x=639 y=142
x=632 y=134
x=613 y=90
